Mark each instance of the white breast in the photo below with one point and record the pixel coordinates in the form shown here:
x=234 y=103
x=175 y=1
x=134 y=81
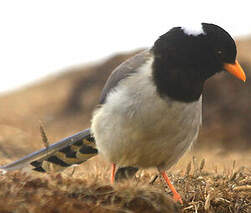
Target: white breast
x=135 y=127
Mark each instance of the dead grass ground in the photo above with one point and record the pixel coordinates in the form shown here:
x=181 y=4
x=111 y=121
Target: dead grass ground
x=86 y=189
x=64 y=103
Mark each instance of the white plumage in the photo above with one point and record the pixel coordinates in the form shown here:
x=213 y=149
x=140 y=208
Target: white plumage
x=194 y=30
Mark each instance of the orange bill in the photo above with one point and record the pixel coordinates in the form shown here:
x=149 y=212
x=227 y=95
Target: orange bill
x=236 y=70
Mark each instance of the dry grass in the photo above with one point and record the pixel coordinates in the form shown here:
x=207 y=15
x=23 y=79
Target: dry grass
x=87 y=190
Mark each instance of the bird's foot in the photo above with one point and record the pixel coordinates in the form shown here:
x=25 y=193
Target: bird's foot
x=176 y=195
x=177 y=198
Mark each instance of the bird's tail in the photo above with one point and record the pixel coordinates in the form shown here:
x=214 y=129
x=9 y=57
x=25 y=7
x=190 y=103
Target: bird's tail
x=69 y=151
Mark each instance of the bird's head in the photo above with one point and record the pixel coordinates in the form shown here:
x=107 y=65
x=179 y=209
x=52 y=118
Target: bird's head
x=206 y=50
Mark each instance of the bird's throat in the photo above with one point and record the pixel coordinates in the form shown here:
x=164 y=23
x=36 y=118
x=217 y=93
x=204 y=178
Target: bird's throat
x=179 y=83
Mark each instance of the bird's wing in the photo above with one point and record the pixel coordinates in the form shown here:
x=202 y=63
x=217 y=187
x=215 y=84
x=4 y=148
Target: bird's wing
x=68 y=151
x=124 y=70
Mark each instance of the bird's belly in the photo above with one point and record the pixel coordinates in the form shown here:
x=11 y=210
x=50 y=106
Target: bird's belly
x=151 y=135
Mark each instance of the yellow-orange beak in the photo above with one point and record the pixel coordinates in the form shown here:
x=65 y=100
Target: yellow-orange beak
x=236 y=70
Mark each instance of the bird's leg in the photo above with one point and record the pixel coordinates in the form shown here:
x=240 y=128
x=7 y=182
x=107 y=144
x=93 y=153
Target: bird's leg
x=113 y=173
x=176 y=195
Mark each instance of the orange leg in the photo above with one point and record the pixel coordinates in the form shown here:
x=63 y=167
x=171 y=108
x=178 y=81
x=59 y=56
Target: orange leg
x=113 y=173
x=176 y=195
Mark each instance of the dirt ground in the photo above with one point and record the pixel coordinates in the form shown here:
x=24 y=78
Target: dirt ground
x=215 y=176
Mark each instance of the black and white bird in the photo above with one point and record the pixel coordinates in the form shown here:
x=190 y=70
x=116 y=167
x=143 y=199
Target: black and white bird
x=150 y=110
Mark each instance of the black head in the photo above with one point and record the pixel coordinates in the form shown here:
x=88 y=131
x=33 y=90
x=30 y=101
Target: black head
x=184 y=59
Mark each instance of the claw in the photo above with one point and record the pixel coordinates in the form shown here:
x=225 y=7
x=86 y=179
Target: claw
x=177 y=198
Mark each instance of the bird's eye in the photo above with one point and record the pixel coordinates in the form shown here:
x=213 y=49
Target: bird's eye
x=219 y=52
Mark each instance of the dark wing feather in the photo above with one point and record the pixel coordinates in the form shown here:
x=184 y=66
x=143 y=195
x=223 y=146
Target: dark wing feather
x=124 y=70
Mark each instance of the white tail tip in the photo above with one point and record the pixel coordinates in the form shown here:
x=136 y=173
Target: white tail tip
x=2 y=171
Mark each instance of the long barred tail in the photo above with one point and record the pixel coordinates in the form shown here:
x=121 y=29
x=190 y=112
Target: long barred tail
x=75 y=149
x=77 y=153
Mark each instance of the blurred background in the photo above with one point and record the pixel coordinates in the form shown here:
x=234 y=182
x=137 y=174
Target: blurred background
x=56 y=55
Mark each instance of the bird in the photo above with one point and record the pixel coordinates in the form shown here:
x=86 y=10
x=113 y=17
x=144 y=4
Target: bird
x=150 y=110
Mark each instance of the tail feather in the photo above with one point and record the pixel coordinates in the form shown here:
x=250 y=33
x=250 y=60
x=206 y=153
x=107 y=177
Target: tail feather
x=72 y=150
x=75 y=149
x=77 y=153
